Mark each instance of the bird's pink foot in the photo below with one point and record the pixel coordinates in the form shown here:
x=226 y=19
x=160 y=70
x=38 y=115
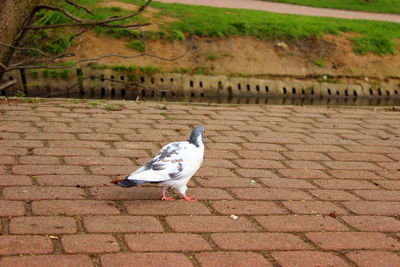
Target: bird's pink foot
x=167 y=198
x=189 y=198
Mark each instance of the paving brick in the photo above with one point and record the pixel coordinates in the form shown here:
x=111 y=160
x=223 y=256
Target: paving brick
x=65 y=151
x=121 y=224
x=351 y=165
x=374 y=258
x=373 y=223
x=47 y=169
x=42 y=225
x=166 y=242
x=219 y=154
x=296 y=223
x=89 y=161
x=137 y=145
x=303 y=174
x=80 y=145
x=222 y=182
x=112 y=170
x=89 y=243
x=353 y=240
x=331 y=194
x=21 y=143
x=120 y=152
x=315 y=148
x=99 y=137
x=47 y=261
x=308 y=258
x=20 y=244
x=259 y=164
x=10 y=180
x=156 y=207
x=287 y=183
x=73 y=207
x=373 y=149
x=220 y=163
x=67 y=130
x=44 y=160
x=145 y=259
x=359 y=157
x=394 y=166
x=389 y=174
x=352 y=174
x=313 y=207
x=345 y=184
x=11 y=208
x=309 y=165
x=49 y=136
x=208 y=193
x=256 y=173
x=258 y=241
x=13 y=151
x=73 y=180
x=263 y=146
x=227 y=259
x=373 y=207
x=388 y=195
x=388 y=184
x=211 y=171
x=314 y=156
x=270 y=194
x=39 y=193
x=247 y=207
x=222 y=146
x=209 y=224
x=120 y=193
x=7 y=160
x=254 y=154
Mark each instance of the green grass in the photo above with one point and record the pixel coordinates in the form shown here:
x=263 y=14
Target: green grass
x=189 y=21
x=137 y=45
x=212 y=57
x=319 y=62
x=53 y=73
x=132 y=68
x=382 y=6
x=223 y=22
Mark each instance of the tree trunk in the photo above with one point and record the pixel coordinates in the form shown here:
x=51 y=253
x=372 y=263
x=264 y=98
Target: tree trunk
x=13 y=16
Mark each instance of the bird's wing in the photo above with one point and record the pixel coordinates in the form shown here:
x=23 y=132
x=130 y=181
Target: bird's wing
x=175 y=161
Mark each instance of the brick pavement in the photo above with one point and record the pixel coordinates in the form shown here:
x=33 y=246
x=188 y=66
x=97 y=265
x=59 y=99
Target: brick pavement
x=310 y=186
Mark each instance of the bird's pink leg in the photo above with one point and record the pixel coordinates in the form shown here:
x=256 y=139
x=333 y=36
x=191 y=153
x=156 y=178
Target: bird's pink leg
x=189 y=198
x=164 y=194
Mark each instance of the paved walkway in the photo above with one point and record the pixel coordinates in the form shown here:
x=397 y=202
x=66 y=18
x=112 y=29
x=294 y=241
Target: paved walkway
x=290 y=9
x=280 y=186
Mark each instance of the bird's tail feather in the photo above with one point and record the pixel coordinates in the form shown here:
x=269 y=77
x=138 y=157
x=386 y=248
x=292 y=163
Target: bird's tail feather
x=128 y=183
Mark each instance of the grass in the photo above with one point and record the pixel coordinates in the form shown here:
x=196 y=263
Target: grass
x=381 y=6
x=53 y=73
x=132 y=68
x=189 y=21
x=212 y=57
x=319 y=62
x=137 y=45
x=377 y=37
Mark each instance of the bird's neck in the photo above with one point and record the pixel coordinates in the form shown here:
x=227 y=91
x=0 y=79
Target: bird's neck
x=197 y=141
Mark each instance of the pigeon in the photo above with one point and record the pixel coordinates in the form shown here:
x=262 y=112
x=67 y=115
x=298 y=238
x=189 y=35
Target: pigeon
x=173 y=167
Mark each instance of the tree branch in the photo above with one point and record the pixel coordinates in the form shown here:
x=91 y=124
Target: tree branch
x=81 y=22
x=79 y=6
x=7 y=84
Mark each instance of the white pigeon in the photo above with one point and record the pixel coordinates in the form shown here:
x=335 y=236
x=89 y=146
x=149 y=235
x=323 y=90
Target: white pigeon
x=174 y=166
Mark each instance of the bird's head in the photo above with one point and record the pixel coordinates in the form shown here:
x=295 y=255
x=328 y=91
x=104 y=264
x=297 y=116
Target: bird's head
x=198 y=135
